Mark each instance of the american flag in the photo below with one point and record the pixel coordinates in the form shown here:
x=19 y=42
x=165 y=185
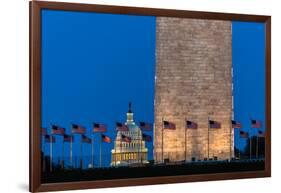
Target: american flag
x=121 y=127
x=214 y=124
x=191 y=125
x=67 y=138
x=99 y=127
x=243 y=134
x=56 y=130
x=146 y=137
x=236 y=124
x=86 y=139
x=50 y=139
x=78 y=129
x=261 y=134
x=43 y=131
x=106 y=139
x=255 y=124
x=126 y=138
x=145 y=126
x=169 y=125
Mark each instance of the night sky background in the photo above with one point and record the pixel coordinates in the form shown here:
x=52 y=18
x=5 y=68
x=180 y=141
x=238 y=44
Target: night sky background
x=93 y=65
x=248 y=60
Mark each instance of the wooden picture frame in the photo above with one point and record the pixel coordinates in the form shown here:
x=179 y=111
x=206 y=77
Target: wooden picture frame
x=35 y=95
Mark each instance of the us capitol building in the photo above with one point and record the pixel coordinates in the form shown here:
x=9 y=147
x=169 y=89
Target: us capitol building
x=129 y=153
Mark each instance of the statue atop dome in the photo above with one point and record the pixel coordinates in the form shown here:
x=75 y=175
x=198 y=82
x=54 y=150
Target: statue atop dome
x=130 y=115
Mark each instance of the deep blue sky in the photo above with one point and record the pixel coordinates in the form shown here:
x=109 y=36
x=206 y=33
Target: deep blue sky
x=92 y=66
x=248 y=58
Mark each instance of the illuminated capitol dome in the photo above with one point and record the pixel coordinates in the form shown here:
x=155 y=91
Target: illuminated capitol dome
x=129 y=146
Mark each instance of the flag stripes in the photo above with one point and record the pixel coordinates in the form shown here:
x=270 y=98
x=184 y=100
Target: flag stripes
x=146 y=126
x=67 y=138
x=106 y=139
x=261 y=134
x=191 y=125
x=121 y=127
x=255 y=124
x=244 y=134
x=50 y=139
x=77 y=129
x=236 y=124
x=97 y=127
x=214 y=124
x=86 y=139
x=56 y=130
x=146 y=137
x=169 y=125
x=126 y=138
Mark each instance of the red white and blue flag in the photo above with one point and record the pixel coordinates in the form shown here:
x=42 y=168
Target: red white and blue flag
x=146 y=126
x=191 y=125
x=68 y=138
x=236 y=124
x=121 y=127
x=255 y=124
x=244 y=134
x=169 y=125
x=97 y=127
x=56 y=130
x=50 y=139
x=261 y=134
x=77 y=129
x=106 y=139
x=214 y=124
x=126 y=138
x=86 y=139
x=146 y=137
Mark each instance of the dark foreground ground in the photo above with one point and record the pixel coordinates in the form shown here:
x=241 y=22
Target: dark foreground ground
x=203 y=167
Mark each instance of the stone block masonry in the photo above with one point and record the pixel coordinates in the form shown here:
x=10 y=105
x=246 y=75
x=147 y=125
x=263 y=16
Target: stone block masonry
x=193 y=81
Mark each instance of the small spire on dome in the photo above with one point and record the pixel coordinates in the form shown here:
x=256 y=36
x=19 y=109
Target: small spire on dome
x=130 y=107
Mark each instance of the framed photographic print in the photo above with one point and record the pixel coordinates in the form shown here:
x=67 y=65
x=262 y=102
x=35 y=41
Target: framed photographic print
x=123 y=96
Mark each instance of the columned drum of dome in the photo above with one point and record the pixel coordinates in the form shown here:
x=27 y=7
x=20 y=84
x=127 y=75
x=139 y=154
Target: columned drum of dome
x=129 y=153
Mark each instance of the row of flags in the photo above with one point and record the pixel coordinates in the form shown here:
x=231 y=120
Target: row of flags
x=245 y=134
x=212 y=124
x=254 y=124
x=97 y=127
x=216 y=125
x=190 y=125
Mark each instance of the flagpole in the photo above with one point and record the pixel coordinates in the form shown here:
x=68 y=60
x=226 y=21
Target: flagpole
x=250 y=146
x=208 y=137
x=257 y=147
x=185 y=141
x=121 y=153
x=250 y=139
x=81 y=146
x=71 y=163
x=100 y=147
x=51 y=152
x=92 y=151
x=162 y=139
x=62 y=157
x=239 y=145
x=115 y=147
x=139 y=160
x=230 y=141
